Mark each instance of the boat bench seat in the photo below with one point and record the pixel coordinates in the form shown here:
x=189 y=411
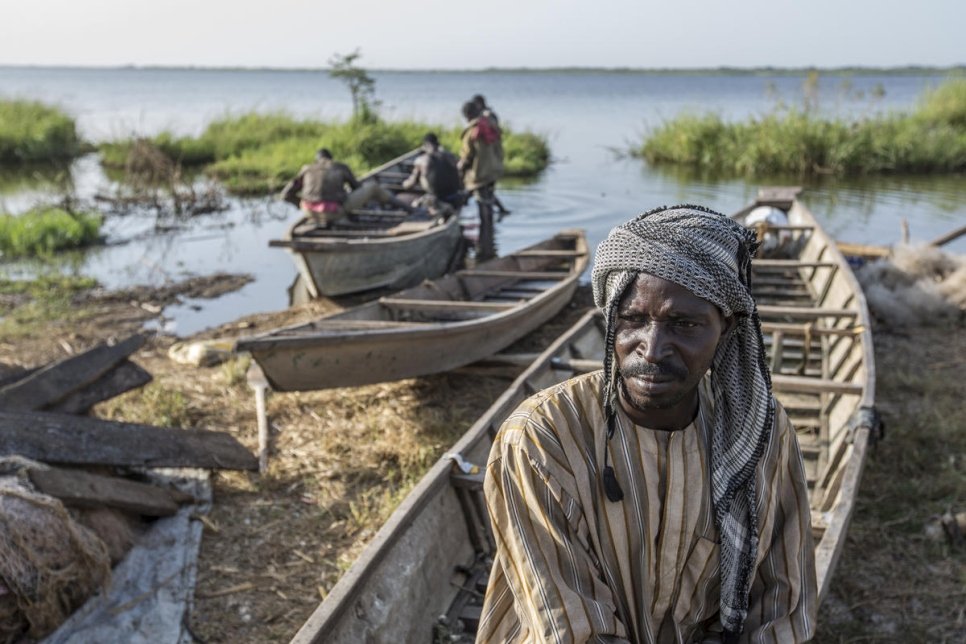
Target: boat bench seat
x=804 y=312
x=444 y=305
x=472 y=272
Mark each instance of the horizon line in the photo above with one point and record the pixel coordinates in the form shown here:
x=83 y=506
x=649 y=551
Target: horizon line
x=484 y=70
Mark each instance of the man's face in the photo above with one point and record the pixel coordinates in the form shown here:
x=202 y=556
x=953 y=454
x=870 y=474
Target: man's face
x=665 y=340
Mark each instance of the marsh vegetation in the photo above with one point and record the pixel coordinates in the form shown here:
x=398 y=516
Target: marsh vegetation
x=31 y=131
x=256 y=154
x=799 y=140
x=44 y=231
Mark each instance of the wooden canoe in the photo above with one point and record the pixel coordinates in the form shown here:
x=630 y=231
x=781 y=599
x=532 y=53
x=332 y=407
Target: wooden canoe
x=374 y=249
x=437 y=326
x=424 y=573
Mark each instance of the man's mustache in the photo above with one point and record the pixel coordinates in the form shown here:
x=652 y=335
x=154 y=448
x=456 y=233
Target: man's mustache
x=649 y=369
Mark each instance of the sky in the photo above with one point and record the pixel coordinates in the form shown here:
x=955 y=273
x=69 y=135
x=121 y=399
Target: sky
x=457 y=34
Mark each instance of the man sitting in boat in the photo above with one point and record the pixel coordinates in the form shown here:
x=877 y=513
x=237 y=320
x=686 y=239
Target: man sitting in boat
x=436 y=172
x=320 y=187
x=662 y=499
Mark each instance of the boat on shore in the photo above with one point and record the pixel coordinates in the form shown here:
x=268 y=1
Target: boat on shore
x=374 y=249
x=437 y=326
x=423 y=576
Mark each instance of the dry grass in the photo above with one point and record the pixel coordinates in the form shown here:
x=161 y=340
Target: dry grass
x=894 y=583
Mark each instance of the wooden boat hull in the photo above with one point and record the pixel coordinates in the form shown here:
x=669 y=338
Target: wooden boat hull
x=433 y=554
x=391 y=252
x=333 y=267
x=370 y=343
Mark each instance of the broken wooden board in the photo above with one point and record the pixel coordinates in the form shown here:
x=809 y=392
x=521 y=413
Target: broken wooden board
x=55 y=381
x=125 y=376
x=78 y=440
x=85 y=490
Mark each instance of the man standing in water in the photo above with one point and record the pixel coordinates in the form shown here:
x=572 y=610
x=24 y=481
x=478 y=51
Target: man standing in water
x=487 y=113
x=321 y=193
x=481 y=164
x=664 y=498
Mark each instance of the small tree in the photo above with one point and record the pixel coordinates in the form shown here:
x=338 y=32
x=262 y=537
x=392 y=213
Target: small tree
x=360 y=84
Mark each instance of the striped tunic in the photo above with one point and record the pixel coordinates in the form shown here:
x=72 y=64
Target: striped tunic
x=572 y=566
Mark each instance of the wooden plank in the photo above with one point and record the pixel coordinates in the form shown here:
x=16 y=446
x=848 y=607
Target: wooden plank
x=804 y=384
x=49 y=384
x=790 y=263
x=444 y=305
x=789 y=328
x=308 y=243
x=13 y=373
x=398 y=214
x=85 y=490
x=862 y=250
x=777 y=349
x=948 y=237
x=124 y=377
x=805 y=312
x=78 y=440
x=549 y=253
x=779 y=227
x=472 y=272
x=829 y=549
x=778 y=196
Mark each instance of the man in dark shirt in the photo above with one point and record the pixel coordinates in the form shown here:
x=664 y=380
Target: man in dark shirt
x=436 y=172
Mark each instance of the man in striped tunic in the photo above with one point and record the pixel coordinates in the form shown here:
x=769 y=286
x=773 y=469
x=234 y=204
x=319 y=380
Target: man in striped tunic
x=662 y=499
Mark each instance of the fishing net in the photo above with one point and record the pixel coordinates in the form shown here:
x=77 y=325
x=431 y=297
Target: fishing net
x=49 y=564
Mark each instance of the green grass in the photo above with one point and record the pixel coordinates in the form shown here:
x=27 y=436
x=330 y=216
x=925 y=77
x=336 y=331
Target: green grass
x=258 y=153
x=45 y=231
x=27 y=304
x=930 y=139
x=31 y=131
x=893 y=582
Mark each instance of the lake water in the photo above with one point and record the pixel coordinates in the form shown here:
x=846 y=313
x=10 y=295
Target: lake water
x=586 y=116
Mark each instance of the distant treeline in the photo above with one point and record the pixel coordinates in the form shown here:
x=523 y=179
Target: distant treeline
x=903 y=70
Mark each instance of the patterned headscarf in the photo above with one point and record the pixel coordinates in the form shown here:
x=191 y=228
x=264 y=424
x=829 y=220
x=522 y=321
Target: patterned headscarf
x=710 y=255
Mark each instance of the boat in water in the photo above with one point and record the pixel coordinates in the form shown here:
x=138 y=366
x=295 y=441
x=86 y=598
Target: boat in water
x=374 y=249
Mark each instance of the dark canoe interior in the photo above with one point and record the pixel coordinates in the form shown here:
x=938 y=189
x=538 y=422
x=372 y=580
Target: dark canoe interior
x=491 y=287
x=424 y=575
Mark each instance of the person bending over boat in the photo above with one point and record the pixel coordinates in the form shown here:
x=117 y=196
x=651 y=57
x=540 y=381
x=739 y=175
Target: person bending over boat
x=321 y=190
x=436 y=172
x=662 y=499
x=481 y=164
